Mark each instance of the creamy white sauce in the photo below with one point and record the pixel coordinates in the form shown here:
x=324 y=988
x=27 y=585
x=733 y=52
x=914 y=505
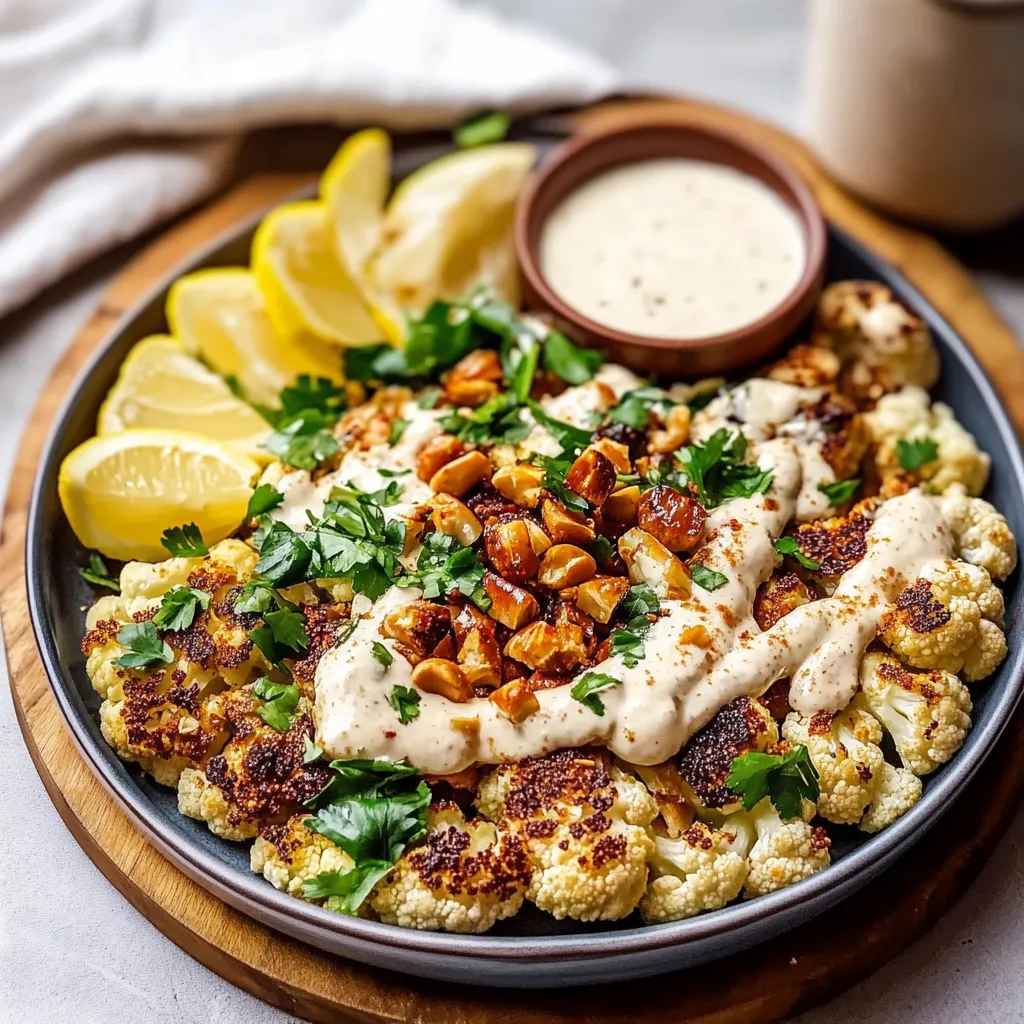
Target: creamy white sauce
x=673 y=248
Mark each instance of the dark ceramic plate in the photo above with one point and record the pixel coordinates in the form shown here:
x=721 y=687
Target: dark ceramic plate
x=533 y=951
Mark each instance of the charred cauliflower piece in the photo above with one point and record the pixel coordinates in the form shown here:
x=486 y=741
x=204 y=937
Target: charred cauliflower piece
x=949 y=619
x=927 y=714
x=259 y=776
x=839 y=543
x=289 y=854
x=882 y=345
x=910 y=415
x=697 y=872
x=742 y=726
x=582 y=823
x=463 y=878
x=845 y=435
x=982 y=534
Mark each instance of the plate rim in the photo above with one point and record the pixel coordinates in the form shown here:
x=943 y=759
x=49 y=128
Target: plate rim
x=758 y=919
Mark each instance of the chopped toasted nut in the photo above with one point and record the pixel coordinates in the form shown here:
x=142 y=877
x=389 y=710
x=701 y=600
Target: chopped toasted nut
x=565 y=565
x=650 y=562
x=600 y=597
x=510 y=550
x=605 y=395
x=539 y=540
x=459 y=475
x=479 y=651
x=474 y=378
x=591 y=476
x=563 y=526
x=443 y=677
x=515 y=700
x=418 y=626
x=454 y=519
x=615 y=452
x=622 y=505
x=677 y=520
x=674 y=434
x=438 y=452
x=469 y=726
x=695 y=636
x=520 y=483
x=512 y=606
x=547 y=648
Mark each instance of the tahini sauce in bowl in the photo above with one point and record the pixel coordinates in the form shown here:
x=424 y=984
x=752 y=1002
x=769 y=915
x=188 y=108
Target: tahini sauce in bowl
x=673 y=248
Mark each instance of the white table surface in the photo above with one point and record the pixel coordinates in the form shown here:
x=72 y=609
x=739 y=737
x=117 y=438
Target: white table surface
x=81 y=953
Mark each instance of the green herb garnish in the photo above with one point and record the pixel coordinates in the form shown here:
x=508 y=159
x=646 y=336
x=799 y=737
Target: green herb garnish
x=397 y=430
x=786 y=779
x=840 y=490
x=717 y=471
x=635 y=407
x=311 y=750
x=145 y=647
x=639 y=604
x=588 y=686
x=97 y=574
x=445 y=567
x=789 y=546
x=184 y=541
x=707 y=579
x=481 y=131
x=382 y=654
x=179 y=607
x=913 y=454
x=265 y=498
x=279 y=701
x=573 y=364
x=405 y=701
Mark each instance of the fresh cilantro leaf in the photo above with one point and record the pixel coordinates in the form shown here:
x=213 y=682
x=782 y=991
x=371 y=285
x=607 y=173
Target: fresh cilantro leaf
x=707 y=579
x=264 y=498
x=289 y=628
x=97 y=574
x=444 y=567
x=311 y=750
x=634 y=409
x=405 y=700
x=588 y=686
x=555 y=470
x=145 y=648
x=840 y=490
x=573 y=439
x=317 y=393
x=397 y=430
x=279 y=701
x=285 y=556
x=390 y=473
x=602 y=549
x=382 y=654
x=258 y=596
x=913 y=454
x=304 y=440
x=716 y=470
x=365 y=777
x=346 y=890
x=429 y=398
x=786 y=779
x=639 y=604
x=498 y=420
x=629 y=645
x=575 y=365
x=482 y=130
x=789 y=546
x=184 y=541
x=178 y=608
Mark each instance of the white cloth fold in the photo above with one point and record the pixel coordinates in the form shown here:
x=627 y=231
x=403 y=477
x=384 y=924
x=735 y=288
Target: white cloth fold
x=114 y=114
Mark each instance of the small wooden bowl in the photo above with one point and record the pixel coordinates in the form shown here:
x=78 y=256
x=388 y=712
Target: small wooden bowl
x=583 y=158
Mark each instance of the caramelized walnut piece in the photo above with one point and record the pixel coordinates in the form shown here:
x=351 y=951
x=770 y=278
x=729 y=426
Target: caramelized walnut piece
x=520 y=483
x=438 y=452
x=676 y=519
x=479 y=652
x=591 y=476
x=515 y=700
x=565 y=565
x=443 y=677
x=418 y=626
x=512 y=606
x=461 y=474
x=474 y=378
x=622 y=505
x=649 y=561
x=510 y=550
x=615 y=452
x=563 y=526
x=601 y=596
x=454 y=519
x=546 y=648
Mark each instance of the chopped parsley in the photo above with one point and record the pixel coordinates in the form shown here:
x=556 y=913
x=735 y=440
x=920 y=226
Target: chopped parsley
x=786 y=779
x=628 y=642
x=184 y=541
x=265 y=498
x=278 y=703
x=481 y=131
x=573 y=364
x=311 y=750
x=179 y=607
x=405 y=700
x=602 y=549
x=96 y=573
x=308 y=392
x=497 y=421
x=382 y=654
x=145 y=647
x=373 y=810
x=635 y=407
x=445 y=567
x=397 y=430
x=913 y=454
x=707 y=579
x=429 y=398
x=573 y=439
x=789 y=546
x=840 y=490
x=587 y=688
x=555 y=470
x=302 y=435
x=717 y=471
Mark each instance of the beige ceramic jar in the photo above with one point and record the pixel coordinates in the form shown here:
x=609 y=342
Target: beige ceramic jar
x=918 y=105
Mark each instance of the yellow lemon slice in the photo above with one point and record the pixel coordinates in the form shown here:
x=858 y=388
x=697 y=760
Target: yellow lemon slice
x=448 y=227
x=121 y=491
x=220 y=316
x=161 y=386
x=306 y=288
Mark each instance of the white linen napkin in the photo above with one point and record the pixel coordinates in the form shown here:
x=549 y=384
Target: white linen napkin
x=114 y=114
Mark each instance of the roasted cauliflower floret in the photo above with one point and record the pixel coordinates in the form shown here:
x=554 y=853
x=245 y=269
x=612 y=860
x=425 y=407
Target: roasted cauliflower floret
x=697 y=872
x=289 y=855
x=839 y=543
x=948 y=619
x=982 y=535
x=927 y=714
x=582 y=823
x=463 y=878
x=910 y=415
x=742 y=726
x=880 y=342
x=779 y=853
x=896 y=791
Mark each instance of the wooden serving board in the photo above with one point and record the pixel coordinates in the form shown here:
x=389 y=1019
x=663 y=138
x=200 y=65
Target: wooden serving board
x=780 y=978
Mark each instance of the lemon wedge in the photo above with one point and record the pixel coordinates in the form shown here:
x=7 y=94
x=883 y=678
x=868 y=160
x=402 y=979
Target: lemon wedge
x=448 y=228
x=161 y=386
x=306 y=288
x=220 y=316
x=121 y=491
